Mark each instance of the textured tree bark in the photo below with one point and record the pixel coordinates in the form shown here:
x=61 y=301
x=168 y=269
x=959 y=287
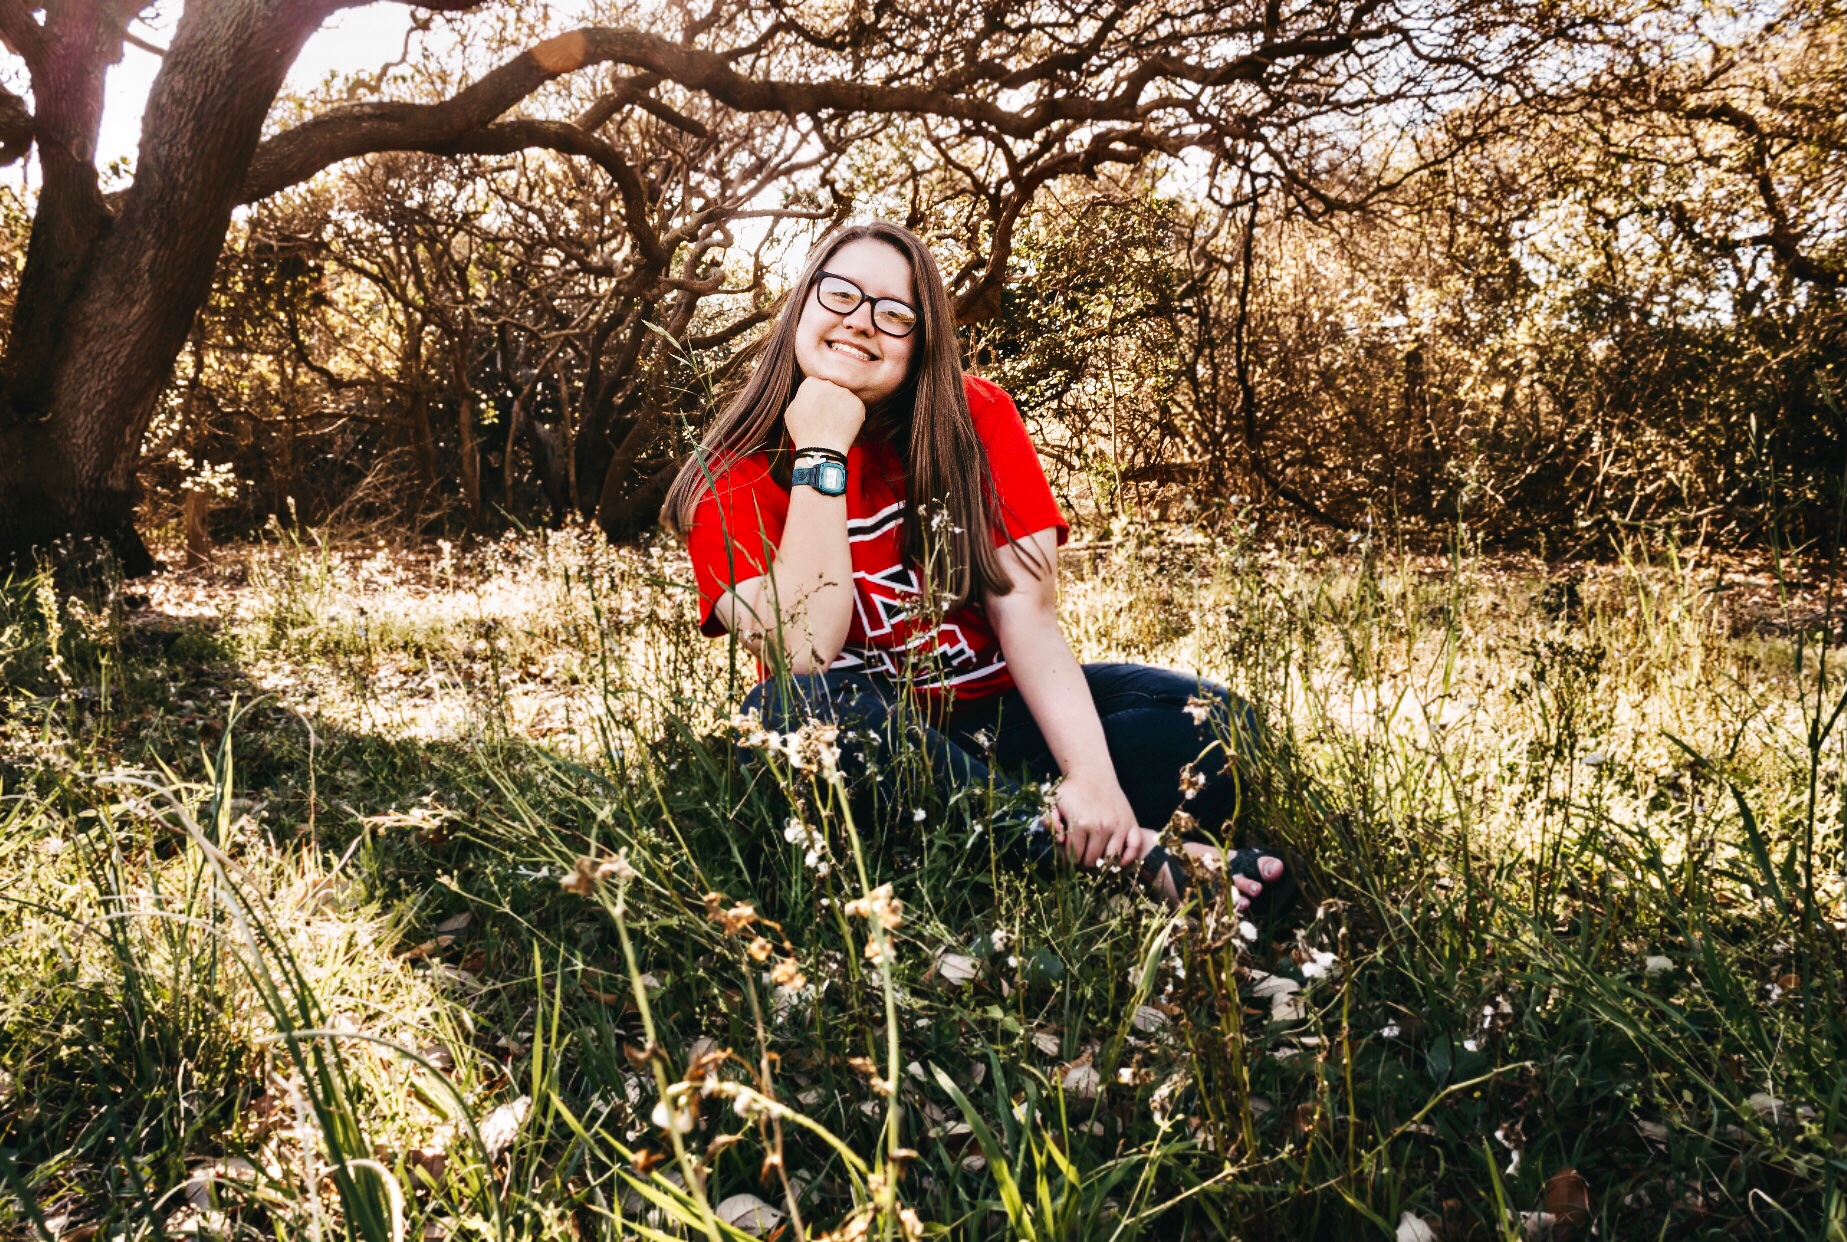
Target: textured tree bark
x=105 y=305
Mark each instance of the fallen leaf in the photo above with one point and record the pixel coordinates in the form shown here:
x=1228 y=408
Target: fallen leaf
x=201 y=1190
x=1047 y=1041
x=450 y=926
x=749 y=1213
x=1272 y=985
x=1082 y=1082
x=1413 y=1228
x=1288 y=1007
x=1567 y=1199
x=956 y=969
x=1766 y=1105
x=500 y=1127
x=1148 y=1019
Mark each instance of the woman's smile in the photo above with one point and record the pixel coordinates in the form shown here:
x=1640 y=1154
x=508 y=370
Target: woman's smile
x=852 y=350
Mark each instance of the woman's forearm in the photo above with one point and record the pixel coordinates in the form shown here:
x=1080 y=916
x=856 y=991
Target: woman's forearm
x=1047 y=675
x=804 y=605
x=1095 y=815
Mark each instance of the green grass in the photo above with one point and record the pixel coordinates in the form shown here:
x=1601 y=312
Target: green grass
x=305 y=933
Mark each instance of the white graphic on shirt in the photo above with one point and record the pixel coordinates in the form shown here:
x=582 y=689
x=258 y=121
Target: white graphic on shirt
x=892 y=608
x=861 y=529
x=888 y=598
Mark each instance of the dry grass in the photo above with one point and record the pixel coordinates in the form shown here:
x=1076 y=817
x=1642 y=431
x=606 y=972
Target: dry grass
x=1575 y=961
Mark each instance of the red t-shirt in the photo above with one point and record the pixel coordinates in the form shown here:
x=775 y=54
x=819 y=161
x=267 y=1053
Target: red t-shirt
x=738 y=525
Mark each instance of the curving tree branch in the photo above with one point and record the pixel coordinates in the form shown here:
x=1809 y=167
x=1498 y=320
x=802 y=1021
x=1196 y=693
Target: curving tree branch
x=17 y=128
x=363 y=129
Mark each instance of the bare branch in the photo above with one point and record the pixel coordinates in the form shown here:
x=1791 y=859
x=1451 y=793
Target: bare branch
x=507 y=137
x=23 y=36
x=16 y=128
x=362 y=129
x=134 y=40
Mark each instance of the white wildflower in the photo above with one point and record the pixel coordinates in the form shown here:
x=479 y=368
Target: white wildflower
x=1320 y=965
x=1191 y=782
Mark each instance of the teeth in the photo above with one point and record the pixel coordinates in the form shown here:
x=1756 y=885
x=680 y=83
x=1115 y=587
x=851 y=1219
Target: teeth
x=843 y=348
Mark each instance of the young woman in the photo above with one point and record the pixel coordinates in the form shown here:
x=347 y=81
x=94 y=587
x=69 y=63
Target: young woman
x=878 y=521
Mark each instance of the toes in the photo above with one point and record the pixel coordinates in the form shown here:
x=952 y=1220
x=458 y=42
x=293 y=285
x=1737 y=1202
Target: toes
x=1249 y=887
x=1240 y=902
x=1270 y=867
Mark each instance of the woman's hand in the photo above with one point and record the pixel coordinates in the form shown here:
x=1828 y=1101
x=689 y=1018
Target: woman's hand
x=1097 y=821
x=824 y=415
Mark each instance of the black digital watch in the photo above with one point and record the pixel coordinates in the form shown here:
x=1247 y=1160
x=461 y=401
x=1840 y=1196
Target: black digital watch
x=827 y=477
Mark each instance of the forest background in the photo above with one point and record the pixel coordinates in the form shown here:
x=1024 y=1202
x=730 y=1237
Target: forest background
x=1557 y=271
x=1459 y=381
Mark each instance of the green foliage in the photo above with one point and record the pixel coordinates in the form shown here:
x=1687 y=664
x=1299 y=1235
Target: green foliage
x=434 y=930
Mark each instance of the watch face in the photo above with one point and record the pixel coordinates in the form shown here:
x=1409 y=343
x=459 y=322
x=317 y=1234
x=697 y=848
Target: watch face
x=830 y=478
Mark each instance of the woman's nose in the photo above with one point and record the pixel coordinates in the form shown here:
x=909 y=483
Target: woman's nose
x=855 y=320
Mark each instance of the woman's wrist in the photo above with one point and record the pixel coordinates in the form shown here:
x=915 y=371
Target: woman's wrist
x=819 y=445
x=1093 y=778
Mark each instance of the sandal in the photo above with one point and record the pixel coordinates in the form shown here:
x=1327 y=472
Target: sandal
x=1278 y=895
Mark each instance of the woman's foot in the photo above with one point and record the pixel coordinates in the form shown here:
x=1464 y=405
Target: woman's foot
x=1250 y=871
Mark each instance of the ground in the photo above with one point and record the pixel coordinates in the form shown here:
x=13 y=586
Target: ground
x=372 y=890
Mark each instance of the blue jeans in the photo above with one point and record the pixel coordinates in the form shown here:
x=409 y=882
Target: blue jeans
x=1161 y=727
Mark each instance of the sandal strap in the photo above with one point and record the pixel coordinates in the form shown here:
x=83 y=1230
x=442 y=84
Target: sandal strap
x=1159 y=858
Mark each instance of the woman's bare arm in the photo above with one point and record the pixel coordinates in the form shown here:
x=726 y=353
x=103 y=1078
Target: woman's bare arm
x=804 y=606
x=1097 y=818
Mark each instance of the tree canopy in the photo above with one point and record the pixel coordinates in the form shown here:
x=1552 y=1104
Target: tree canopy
x=1364 y=260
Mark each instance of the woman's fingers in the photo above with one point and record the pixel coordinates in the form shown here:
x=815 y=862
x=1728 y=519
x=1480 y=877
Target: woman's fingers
x=824 y=415
x=1122 y=847
x=1091 y=845
x=1139 y=842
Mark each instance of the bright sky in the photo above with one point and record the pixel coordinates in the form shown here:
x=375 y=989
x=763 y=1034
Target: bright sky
x=353 y=39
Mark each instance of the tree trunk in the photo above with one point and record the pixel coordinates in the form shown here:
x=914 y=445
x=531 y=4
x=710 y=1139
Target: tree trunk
x=195 y=511
x=105 y=305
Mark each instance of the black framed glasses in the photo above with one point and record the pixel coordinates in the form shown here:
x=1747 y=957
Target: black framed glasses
x=843 y=297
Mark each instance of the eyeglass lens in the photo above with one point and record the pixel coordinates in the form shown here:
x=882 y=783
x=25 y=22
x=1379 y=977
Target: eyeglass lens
x=842 y=296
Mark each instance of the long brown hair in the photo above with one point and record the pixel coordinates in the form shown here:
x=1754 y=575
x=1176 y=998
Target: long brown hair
x=945 y=465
